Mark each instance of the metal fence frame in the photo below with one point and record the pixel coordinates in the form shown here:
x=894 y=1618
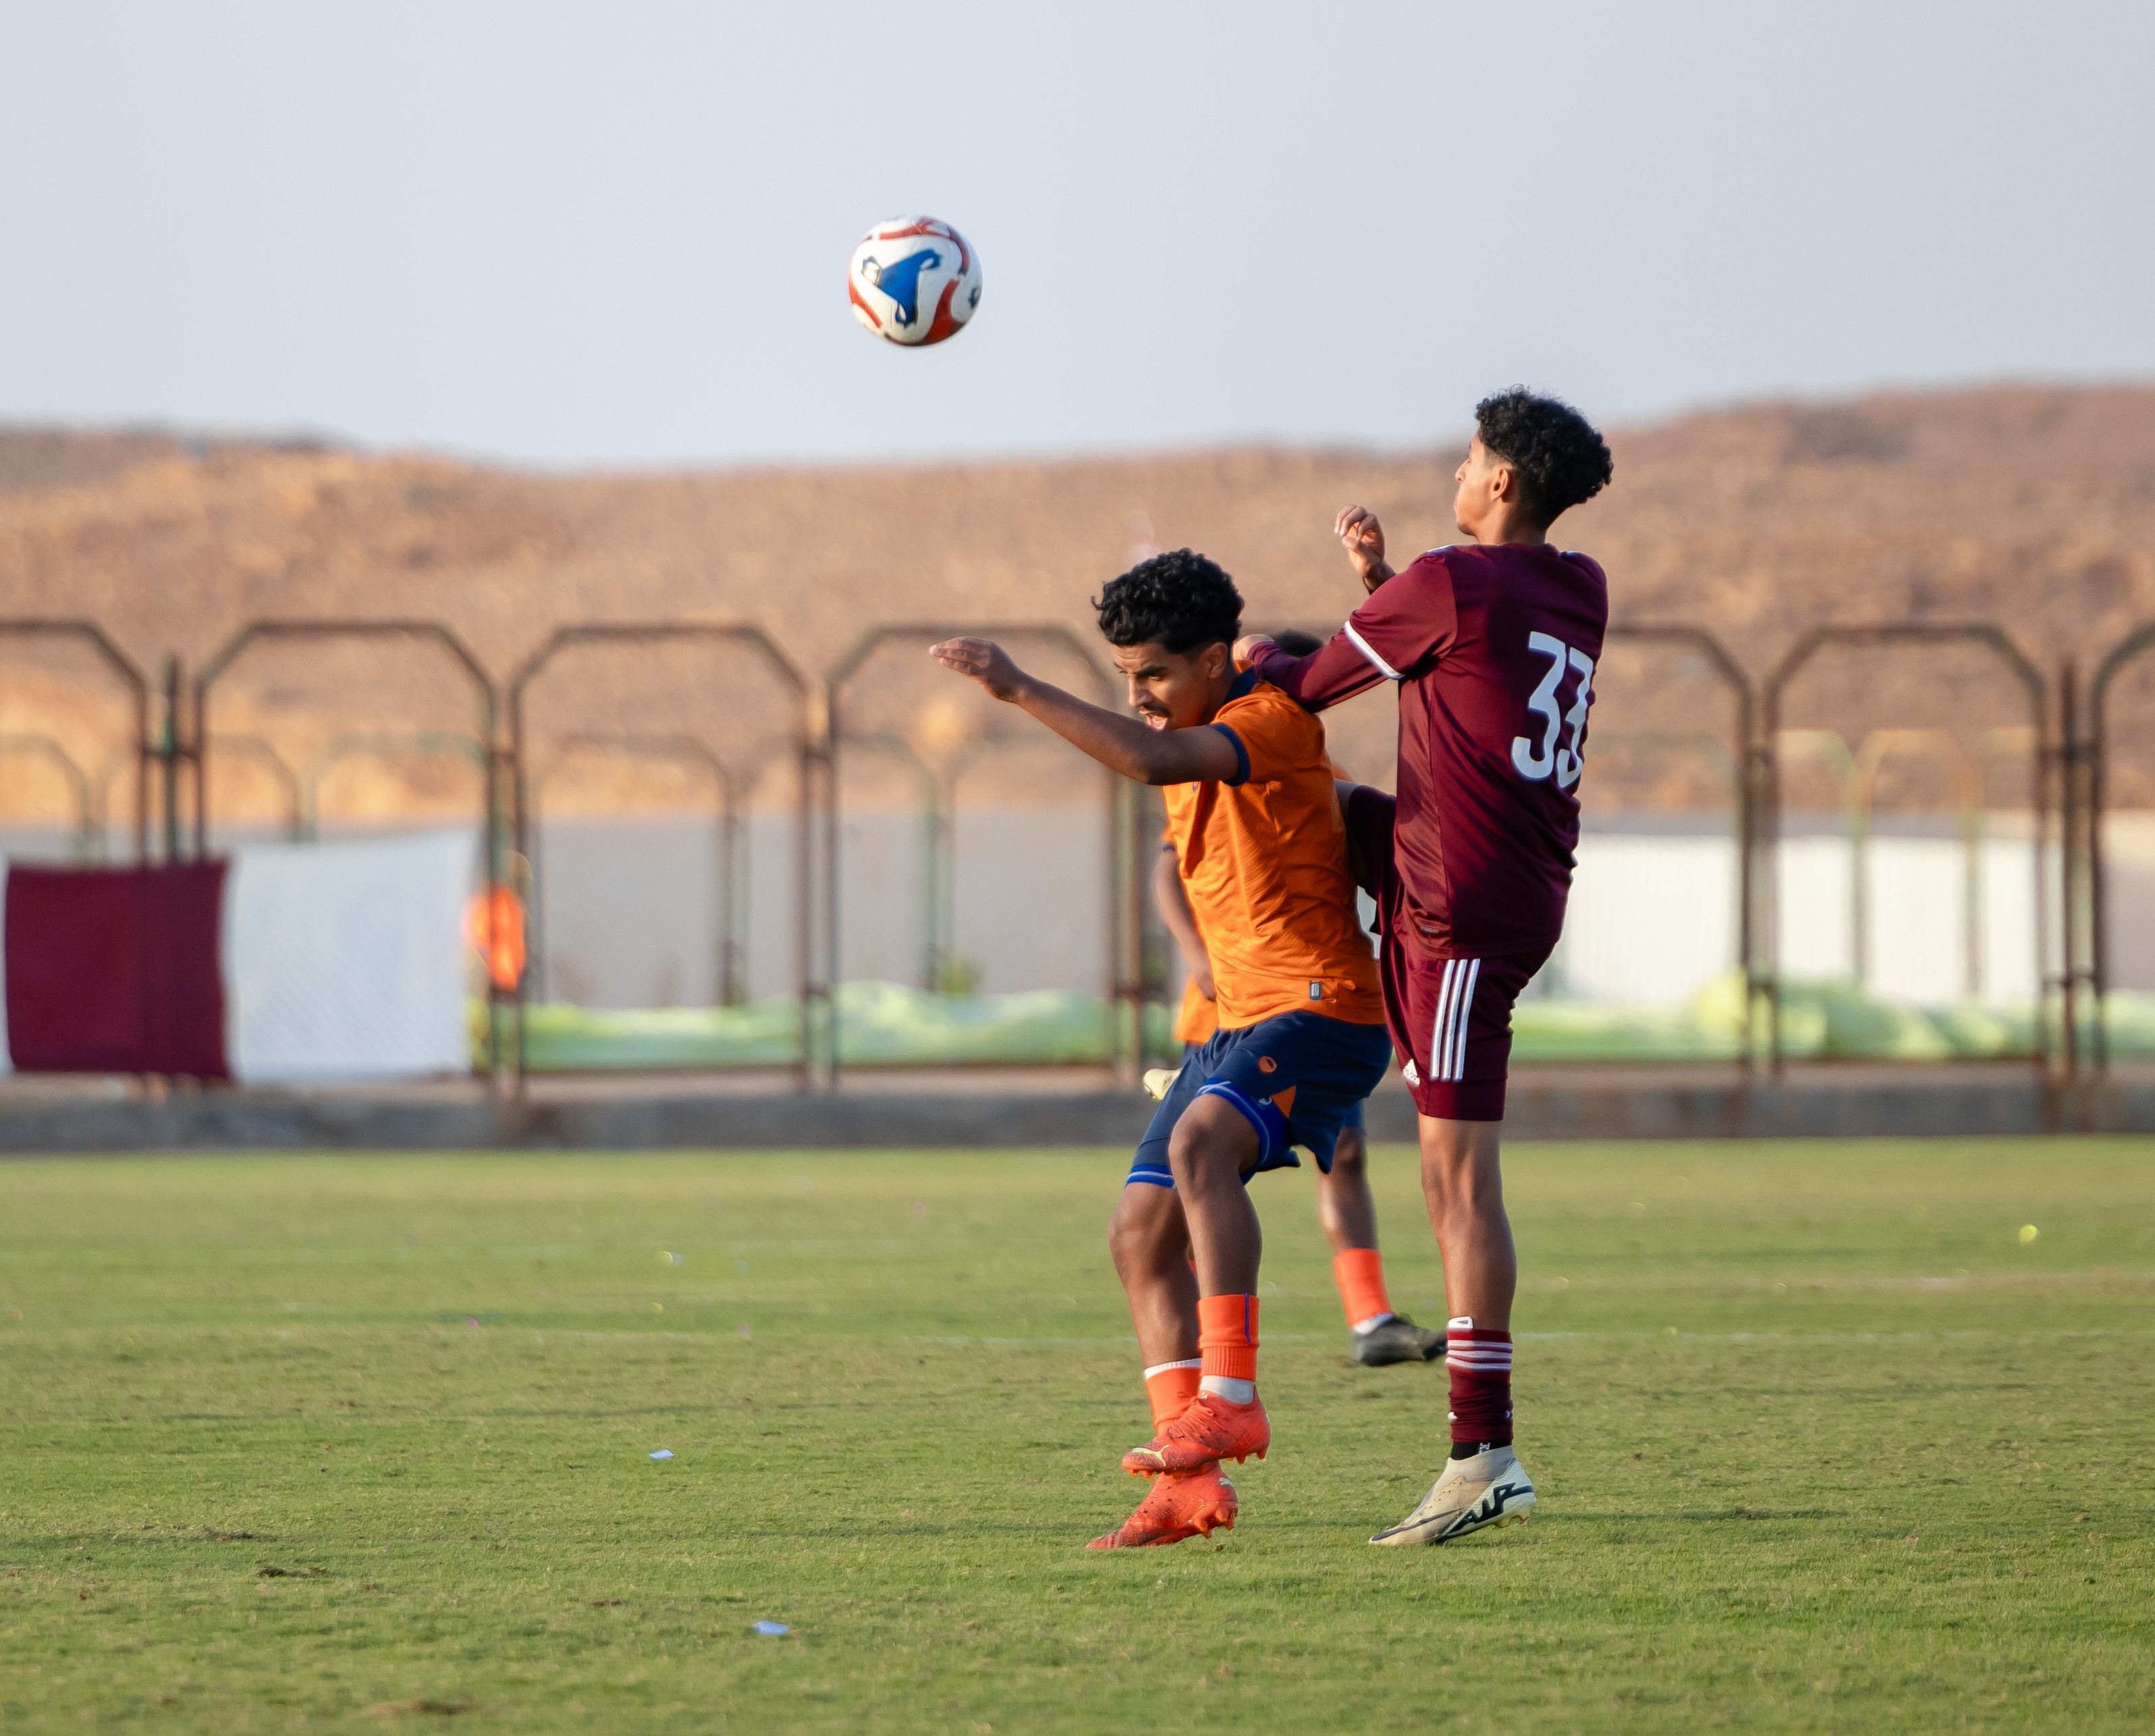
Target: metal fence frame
x=1766 y=832
x=2115 y=661
x=255 y=633
x=803 y=744
x=2071 y=779
x=130 y=678
x=1760 y=971
x=1125 y=887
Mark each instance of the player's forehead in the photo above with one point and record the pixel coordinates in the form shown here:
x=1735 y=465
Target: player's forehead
x=1150 y=659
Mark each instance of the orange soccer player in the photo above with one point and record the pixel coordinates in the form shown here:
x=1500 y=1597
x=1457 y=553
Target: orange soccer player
x=1379 y=1336
x=1262 y=852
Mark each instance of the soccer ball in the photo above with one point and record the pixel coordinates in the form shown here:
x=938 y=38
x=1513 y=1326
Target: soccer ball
x=914 y=280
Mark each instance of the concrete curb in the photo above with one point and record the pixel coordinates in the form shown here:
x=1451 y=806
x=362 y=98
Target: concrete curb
x=1910 y=1106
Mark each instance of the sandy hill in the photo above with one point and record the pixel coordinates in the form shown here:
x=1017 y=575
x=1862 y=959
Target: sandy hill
x=2030 y=506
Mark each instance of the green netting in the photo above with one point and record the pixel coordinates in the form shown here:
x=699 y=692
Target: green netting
x=879 y=1023
x=882 y=1024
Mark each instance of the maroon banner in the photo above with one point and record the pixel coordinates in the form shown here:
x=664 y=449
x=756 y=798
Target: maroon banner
x=115 y=970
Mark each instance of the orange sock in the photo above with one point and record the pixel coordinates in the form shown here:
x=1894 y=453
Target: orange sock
x=1359 y=1272
x=1227 y=1336
x=1171 y=1386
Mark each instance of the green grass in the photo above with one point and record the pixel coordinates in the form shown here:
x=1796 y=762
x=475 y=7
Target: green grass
x=1820 y=1443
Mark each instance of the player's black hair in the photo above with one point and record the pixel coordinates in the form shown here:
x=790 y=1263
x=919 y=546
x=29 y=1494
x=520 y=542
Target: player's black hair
x=1180 y=599
x=1559 y=458
x=1293 y=641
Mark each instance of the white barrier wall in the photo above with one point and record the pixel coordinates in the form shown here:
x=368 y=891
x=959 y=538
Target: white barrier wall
x=627 y=913
x=1654 y=917
x=627 y=910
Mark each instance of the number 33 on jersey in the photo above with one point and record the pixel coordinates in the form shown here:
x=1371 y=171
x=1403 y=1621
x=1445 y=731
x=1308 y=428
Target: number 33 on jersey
x=1493 y=650
x=1539 y=761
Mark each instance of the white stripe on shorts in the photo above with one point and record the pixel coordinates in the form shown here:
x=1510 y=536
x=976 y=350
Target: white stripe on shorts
x=1461 y=1016
x=1454 y=1004
x=1437 y=1045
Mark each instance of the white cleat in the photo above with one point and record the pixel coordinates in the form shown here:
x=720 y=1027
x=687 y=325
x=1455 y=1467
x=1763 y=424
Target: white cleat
x=1489 y=1489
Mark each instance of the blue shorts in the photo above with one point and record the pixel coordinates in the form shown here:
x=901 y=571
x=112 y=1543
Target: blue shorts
x=1297 y=1079
x=1353 y=1115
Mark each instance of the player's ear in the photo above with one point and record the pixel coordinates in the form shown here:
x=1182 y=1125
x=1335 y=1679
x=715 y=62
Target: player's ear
x=1215 y=661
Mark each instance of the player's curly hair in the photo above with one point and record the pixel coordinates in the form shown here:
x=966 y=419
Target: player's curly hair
x=1559 y=458
x=1180 y=599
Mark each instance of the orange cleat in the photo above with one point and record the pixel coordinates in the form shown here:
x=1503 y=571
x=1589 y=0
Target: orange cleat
x=1210 y=1431
x=1195 y=1503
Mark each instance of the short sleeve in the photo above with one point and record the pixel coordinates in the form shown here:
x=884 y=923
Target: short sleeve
x=1270 y=739
x=1409 y=619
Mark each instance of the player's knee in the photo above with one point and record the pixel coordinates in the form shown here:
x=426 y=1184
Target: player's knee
x=1462 y=1187
x=1146 y=1228
x=1212 y=1141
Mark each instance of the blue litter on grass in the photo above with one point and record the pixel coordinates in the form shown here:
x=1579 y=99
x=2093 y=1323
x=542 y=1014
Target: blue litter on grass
x=663 y=1452
x=773 y=1629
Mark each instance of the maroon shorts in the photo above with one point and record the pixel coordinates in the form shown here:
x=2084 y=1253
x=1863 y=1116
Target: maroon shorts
x=1449 y=1017
x=1451 y=1025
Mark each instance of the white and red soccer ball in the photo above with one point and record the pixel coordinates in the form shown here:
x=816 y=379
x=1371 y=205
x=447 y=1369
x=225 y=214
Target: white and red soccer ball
x=914 y=280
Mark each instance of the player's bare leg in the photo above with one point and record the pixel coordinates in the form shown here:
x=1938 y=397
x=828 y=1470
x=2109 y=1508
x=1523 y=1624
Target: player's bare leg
x=1462 y=1184
x=1345 y=1212
x=1347 y=1216
x=1483 y=1483
x=1149 y=1240
x=1212 y=1146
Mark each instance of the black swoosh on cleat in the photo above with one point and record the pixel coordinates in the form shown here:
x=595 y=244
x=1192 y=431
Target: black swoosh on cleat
x=1488 y=1509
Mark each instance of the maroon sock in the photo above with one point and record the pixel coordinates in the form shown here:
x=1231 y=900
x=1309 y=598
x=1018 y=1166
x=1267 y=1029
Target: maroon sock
x=1481 y=1366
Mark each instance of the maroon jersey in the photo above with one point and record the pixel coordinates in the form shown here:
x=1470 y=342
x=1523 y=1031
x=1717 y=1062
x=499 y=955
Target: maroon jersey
x=1494 y=650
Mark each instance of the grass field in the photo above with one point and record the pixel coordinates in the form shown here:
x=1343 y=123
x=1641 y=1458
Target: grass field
x=304 y=1443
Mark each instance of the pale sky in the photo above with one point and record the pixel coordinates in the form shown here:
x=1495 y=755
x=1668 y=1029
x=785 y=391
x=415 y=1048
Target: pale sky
x=617 y=234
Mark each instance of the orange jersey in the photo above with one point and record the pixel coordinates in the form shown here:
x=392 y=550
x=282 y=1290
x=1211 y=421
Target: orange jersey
x=1263 y=860
x=1199 y=1017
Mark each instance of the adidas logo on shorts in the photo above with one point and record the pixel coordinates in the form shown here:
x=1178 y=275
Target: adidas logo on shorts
x=1409 y=1073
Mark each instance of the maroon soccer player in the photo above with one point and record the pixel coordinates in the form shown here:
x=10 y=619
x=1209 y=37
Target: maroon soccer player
x=1493 y=646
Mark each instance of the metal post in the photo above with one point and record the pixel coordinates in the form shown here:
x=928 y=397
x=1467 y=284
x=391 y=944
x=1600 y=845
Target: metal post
x=833 y=962
x=726 y=991
x=168 y=755
x=2132 y=647
x=2069 y=809
x=817 y=818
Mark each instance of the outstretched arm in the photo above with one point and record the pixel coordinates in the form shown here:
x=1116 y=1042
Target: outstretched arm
x=1121 y=743
x=1341 y=669
x=1181 y=922
x=1335 y=671
x=1408 y=619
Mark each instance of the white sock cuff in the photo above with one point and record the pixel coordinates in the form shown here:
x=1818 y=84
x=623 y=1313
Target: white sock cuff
x=1161 y=1368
